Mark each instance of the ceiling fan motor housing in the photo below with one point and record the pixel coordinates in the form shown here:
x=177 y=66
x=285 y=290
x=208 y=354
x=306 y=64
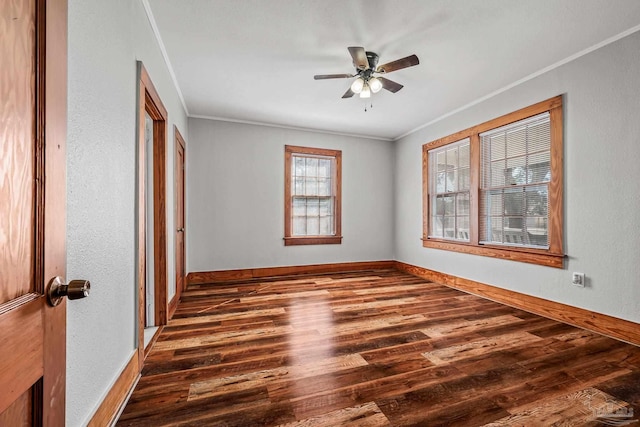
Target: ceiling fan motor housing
x=372 y=58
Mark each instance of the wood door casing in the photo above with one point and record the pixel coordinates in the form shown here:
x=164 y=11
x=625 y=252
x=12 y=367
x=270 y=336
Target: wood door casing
x=179 y=212
x=32 y=221
x=150 y=103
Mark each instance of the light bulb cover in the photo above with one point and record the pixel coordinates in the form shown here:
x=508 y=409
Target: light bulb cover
x=375 y=84
x=357 y=85
x=366 y=92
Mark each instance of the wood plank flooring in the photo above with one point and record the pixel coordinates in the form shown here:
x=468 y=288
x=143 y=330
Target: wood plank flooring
x=376 y=348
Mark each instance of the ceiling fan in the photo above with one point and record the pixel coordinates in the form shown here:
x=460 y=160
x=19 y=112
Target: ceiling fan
x=366 y=64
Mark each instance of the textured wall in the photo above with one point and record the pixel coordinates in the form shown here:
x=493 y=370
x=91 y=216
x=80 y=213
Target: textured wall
x=602 y=152
x=105 y=40
x=236 y=197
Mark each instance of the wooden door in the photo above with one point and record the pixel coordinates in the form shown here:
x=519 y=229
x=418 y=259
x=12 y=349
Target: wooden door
x=32 y=210
x=179 y=214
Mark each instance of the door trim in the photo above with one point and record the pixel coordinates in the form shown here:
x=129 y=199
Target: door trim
x=180 y=170
x=149 y=102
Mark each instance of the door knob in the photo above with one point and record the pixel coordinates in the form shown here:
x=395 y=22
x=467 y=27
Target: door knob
x=180 y=230
x=57 y=290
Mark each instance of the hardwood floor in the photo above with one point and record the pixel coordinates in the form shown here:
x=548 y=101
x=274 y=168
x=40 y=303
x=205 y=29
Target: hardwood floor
x=376 y=348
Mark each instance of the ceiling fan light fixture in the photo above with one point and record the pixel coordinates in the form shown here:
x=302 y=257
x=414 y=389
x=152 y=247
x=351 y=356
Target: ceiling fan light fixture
x=375 y=84
x=357 y=85
x=366 y=92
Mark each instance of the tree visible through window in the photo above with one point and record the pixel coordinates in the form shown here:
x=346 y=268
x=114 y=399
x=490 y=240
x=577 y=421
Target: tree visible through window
x=312 y=196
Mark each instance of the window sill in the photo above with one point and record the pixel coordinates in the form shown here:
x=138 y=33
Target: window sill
x=528 y=255
x=312 y=240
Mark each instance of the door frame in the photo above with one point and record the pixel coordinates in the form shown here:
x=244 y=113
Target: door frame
x=180 y=172
x=149 y=102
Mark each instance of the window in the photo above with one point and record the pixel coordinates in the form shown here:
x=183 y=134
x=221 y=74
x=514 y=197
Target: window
x=496 y=189
x=312 y=196
x=450 y=191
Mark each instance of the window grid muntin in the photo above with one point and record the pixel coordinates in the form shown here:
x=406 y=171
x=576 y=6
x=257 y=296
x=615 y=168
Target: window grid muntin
x=304 y=184
x=450 y=193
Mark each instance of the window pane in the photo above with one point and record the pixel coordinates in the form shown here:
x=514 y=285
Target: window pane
x=436 y=226
x=299 y=166
x=311 y=187
x=326 y=208
x=313 y=226
x=517 y=175
x=463 y=228
x=496 y=205
x=463 y=156
x=441 y=182
x=452 y=157
x=514 y=235
x=324 y=186
x=313 y=208
x=540 y=168
x=452 y=181
x=537 y=200
x=517 y=142
x=462 y=204
x=539 y=137
x=326 y=225
x=513 y=202
x=311 y=166
x=538 y=231
x=439 y=205
x=449 y=206
x=449 y=227
x=495 y=229
x=299 y=206
x=324 y=168
x=299 y=225
x=496 y=146
x=298 y=188
x=464 y=181
x=441 y=161
x=498 y=171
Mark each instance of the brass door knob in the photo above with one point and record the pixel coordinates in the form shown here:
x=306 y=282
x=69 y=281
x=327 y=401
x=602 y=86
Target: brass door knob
x=76 y=289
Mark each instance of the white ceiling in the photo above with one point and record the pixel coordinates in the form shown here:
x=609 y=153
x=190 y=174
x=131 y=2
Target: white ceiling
x=254 y=60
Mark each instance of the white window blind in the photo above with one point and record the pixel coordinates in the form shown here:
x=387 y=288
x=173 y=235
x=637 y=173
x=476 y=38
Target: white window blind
x=515 y=175
x=449 y=178
x=313 y=195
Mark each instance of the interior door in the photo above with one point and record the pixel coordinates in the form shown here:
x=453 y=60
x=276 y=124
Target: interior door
x=32 y=210
x=180 y=268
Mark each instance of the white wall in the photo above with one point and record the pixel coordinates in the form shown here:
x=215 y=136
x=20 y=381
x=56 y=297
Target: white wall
x=105 y=40
x=602 y=202
x=235 y=196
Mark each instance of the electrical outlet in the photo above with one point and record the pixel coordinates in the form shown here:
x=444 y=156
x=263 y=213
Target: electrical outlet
x=578 y=279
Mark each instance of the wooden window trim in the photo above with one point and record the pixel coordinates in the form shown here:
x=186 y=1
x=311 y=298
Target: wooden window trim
x=552 y=257
x=289 y=239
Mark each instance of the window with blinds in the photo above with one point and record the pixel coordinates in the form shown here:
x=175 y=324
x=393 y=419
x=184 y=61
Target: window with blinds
x=515 y=175
x=449 y=191
x=312 y=196
x=495 y=189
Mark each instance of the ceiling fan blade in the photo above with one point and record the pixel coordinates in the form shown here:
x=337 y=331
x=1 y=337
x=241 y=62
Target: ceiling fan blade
x=359 y=57
x=398 y=64
x=348 y=94
x=390 y=85
x=332 y=76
